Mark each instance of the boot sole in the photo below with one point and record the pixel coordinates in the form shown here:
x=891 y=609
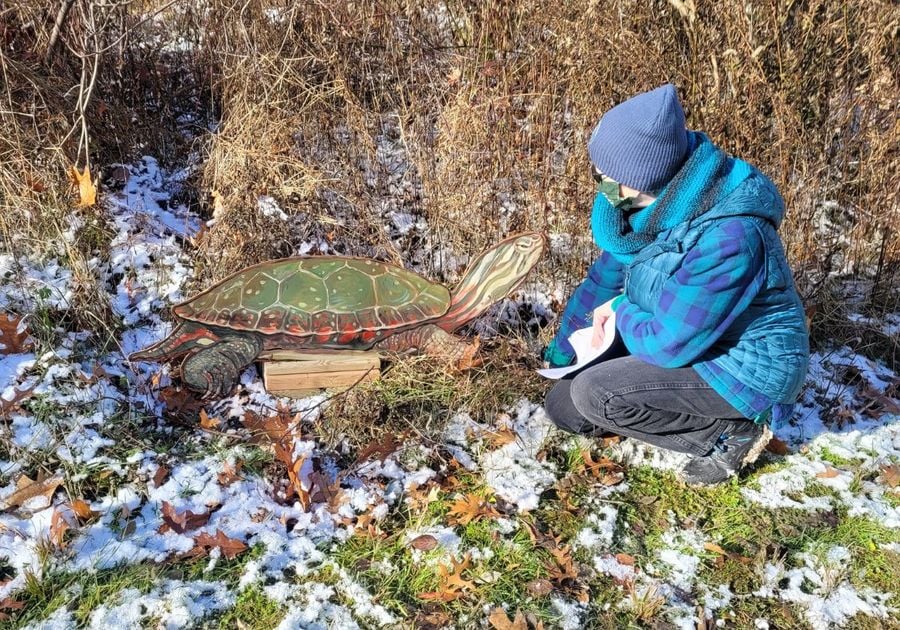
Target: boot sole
x=751 y=456
x=757 y=449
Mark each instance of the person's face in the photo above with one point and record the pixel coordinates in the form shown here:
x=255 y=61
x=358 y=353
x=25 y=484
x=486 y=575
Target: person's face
x=638 y=199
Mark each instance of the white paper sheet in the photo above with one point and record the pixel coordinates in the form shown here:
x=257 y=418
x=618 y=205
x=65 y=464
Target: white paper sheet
x=584 y=353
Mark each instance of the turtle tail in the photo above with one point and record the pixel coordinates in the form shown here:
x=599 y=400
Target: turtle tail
x=183 y=339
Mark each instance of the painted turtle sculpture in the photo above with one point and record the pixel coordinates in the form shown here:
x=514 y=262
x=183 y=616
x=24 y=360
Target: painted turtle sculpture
x=334 y=303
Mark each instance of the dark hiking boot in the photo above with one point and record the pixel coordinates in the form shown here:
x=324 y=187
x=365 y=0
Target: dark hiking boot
x=740 y=444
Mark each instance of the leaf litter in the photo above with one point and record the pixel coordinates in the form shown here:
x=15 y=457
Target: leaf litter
x=201 y=502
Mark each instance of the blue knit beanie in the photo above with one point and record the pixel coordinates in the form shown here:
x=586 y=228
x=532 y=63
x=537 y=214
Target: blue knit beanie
x=641 y=142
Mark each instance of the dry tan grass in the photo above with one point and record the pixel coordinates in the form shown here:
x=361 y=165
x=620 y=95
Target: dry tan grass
x=488 y=106
x=495 y=103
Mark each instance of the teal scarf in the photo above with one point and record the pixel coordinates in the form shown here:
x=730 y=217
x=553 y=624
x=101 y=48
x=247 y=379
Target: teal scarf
x=707 y=176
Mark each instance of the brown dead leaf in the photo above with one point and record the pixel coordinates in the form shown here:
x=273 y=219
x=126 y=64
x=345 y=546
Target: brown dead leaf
x=230 y=473
x=420 y=497
x=159 y=477
x=28 y=489
x=714 y=548
x=778 y=447
x=208 y=423
x=181 y=523
x=9 y=604
x=180 y=401
x=608 y=472
x=14 y=337
x=425 y=542
x=878 y=404
x=82 y=509
x=500 y=438
x=539 y=587
x=451 y=584
x=500 y=620
x=230 y=547
x=891 y=475
x=278 y=428
x=87 y=191
x=624 y=558
x=58 y=528
x=380 y=450
x=828 y=473
x=285 y=454
x=19 y=395
x=470 y=358
x=431 y=620
x=463 y=511
x=565 y=568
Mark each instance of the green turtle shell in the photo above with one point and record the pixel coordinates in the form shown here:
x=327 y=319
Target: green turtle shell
x=337 y=300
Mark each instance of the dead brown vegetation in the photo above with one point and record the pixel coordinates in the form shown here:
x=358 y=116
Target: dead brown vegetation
x=472 y=116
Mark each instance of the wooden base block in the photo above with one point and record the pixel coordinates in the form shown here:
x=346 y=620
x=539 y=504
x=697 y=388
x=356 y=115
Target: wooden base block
x=297 y=374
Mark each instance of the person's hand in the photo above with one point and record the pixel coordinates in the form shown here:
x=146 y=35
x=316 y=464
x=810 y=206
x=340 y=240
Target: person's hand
x=601 y=314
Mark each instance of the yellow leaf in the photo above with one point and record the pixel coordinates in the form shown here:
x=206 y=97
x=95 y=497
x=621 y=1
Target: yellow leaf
x=87 y=192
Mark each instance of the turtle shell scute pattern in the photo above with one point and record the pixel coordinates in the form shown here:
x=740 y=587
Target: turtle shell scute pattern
x=335 y=300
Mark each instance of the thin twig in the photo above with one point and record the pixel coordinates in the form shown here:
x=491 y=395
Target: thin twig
x=57 y=27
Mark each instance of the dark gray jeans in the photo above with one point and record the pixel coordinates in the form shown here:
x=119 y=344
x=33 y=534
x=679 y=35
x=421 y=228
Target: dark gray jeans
x=668 y=407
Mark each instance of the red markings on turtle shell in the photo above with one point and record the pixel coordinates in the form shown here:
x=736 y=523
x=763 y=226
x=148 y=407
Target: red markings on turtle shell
x=368 y=336
x=272 y=321
x=298 y=323
x=367 y=319
x=323 y=325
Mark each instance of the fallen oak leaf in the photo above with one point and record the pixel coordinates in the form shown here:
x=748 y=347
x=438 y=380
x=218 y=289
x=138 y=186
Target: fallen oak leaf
x=82 y=509
x=27 y=490
x=160 y=475
x=230 y=547
x=539 y=587
x=450 y=581
x=500 y=438
x=285 y=454
x=12 y=604
x=828 y=473
x=14 y=336
x=501 y=621
x=181 y=523
x=778 y=447
x=463 y=511
x=714 y=548
x=891 y=475
x=230 y=473
x=565 y=568
x=180 y=401
x=382 y=450
x=418 y=499
x=624 y=558
x=59 y=525
x=8 y=405
x=431 y=620
x=208 y=423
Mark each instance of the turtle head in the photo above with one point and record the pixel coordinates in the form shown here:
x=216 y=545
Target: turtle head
x=187 y=337
x=493 y=276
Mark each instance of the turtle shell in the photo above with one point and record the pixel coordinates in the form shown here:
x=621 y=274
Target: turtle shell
x=339 y=300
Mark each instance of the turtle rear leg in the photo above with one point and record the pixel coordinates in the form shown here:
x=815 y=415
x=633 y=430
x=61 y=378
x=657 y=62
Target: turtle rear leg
x=434 y=341
x=214 y=370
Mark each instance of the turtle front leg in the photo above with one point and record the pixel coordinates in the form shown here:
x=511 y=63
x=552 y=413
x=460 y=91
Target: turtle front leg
x=215 y=369
x=433 y=341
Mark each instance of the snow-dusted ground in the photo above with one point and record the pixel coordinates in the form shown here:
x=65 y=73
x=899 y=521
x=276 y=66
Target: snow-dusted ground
x=78 y=403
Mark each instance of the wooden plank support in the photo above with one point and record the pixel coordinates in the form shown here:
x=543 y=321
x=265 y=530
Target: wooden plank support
x=297 y=374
